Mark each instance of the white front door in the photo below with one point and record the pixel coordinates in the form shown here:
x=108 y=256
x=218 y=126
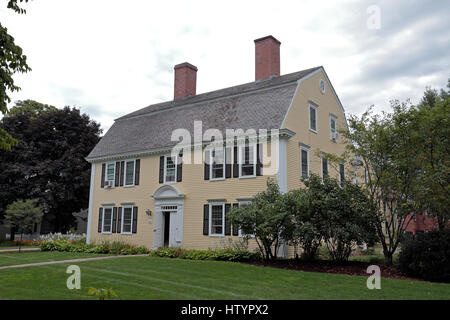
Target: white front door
x=169 y=204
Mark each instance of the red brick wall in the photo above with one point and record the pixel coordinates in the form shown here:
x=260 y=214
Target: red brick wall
x=421 y=222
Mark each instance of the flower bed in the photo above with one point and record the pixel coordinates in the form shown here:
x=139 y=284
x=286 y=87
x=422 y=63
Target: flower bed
x=62 y=236
x=26 y=242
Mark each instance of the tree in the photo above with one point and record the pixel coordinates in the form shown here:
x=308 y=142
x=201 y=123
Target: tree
x=264 y=218
x=30 y=108
x=386 y=147
x=23 y=215
x=430 y=121
x=12 y=60
x=49 y=161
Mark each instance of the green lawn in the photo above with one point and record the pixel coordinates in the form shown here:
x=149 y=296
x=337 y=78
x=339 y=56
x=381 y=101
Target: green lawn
x=162 y=278
x=9 y=259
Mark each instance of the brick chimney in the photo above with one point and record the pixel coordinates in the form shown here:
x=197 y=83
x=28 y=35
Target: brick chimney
x=185 y=80
x=267 y=57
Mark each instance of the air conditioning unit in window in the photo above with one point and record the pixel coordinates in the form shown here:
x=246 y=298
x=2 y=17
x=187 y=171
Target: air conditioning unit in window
x=334 y=136
x=108 y=184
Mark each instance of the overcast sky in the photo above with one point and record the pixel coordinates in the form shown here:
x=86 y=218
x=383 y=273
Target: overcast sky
x=111 y=57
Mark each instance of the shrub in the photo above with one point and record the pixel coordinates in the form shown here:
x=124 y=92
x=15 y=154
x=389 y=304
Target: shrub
x=117 y=248
x=219 y=254
x=427 y=256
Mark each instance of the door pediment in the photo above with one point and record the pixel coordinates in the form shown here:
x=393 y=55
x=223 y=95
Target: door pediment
x=167 y=192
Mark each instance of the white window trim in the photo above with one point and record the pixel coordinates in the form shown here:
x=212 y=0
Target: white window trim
x=125 y=173
x=123 y=219
x=114 y=176
x=223 y=219
x=332 y=117
x=255 y=159
x=165 y=169
x=240 y=234
x=103 y=219
x=211 y=165
x=307 y=161
x=315 y=107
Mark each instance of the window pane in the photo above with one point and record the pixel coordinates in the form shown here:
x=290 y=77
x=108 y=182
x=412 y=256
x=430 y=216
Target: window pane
x=304 y=160
x=107 y=220
x=217 y=163
x=216 y=219
x=170 y=169
x=129 y=173
x=312 y=120
x=127 y=219
x=110 y=171
x=248 y=160
x=333 y=125
x=324 y=167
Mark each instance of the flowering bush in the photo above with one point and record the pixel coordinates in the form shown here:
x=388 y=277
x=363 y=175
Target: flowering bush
x=60 y=236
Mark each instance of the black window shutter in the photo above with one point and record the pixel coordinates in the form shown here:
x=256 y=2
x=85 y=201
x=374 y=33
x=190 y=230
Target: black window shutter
x=100 y=218
x=117 y=174
x=259 y=159
x=235 y=162
x=119 y=220
x=161 y=169
x=205 y=219
x=121 y=170
x=235 y=228
x=207 y=159
x=135 y=215
x=102 y=183
x=114 y=220
x=227 y=163
x=137 y=171
x=180 y=167
x=227 y=221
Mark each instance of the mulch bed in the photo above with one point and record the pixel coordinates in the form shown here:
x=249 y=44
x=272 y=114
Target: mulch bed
x=354 y=268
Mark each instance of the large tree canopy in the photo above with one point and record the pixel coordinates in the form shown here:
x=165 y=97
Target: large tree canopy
x=48 y=163
x=406 y=158
x=12 y=60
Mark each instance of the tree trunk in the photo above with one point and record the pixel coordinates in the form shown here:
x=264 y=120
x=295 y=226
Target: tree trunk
x=20 y=243
x=12 y=234
x=388 y=258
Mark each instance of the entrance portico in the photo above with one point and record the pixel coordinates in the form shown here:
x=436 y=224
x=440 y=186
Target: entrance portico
x=168 y=219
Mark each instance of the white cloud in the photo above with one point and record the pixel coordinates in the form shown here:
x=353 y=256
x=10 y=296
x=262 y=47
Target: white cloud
x=113 y=57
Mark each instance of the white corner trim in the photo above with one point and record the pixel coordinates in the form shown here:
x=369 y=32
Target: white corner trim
x=282 y=166
x=91 y=199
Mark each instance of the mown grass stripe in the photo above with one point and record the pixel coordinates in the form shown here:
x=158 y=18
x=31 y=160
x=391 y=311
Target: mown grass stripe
x=171 y=282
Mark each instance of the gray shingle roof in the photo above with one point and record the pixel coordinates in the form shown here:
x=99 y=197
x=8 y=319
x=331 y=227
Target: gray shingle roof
x=255 y=105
